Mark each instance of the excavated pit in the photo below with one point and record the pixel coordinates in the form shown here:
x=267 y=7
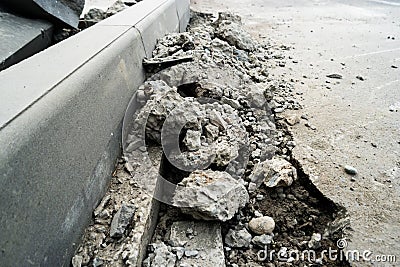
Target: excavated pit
x=235 y=101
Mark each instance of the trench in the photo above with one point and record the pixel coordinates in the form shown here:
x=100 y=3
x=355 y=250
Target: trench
x=299 y=210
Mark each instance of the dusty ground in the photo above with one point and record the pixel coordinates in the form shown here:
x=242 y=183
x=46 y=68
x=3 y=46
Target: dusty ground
x=357 y=122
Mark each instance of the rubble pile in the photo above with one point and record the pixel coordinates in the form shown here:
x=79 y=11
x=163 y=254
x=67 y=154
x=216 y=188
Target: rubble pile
x=214 y=110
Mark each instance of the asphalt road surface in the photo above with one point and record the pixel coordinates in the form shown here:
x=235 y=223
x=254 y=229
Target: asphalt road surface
x=357 y=120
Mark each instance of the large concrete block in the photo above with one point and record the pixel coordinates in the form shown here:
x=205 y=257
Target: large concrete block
x=158 y=23
x=58 y=154
x=61 y=11
x=21 y=37
x=44 y=71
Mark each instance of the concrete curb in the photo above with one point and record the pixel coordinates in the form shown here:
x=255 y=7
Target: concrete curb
x=60 y=129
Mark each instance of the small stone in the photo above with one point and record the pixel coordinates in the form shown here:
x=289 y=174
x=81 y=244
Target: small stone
x=360 y=78
x=210 y=195
x=231 y=102
x=315 y=241
x=262 y=225
x=262 y=240
x=260 y=197
x=292 y=119
x=179 y=251
x=161 y=256
x=279 y=110
x=238 y=239
x=258 y=214
x=252 y=187
x=121 y=220
x=275 y=172
x=77 y=261
x=394 y=66
x=334 y=76
x=350 y=170
x=191 y=253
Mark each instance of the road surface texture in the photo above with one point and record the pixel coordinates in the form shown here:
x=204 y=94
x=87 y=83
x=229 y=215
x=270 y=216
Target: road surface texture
x=354 y=120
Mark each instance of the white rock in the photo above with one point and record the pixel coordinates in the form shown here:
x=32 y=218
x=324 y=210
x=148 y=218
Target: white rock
x=262 y=225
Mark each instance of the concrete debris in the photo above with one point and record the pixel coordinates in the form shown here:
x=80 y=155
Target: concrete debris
x=210 y=195
x=203 y=249
x=315 y=241
x=262 y=225
x=192 y=140
x=276 y=172
x=117 y=7
x=238 y=238
x=161 y=256
x=121 y=220
x=95 y=15
x=77 y=261
x=156 y=64
x=211 y=120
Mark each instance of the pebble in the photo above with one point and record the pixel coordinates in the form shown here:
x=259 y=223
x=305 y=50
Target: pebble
x=350 y=170
x=260 y=197
x=360 y=78
x=191 y=253
x=262 y=240
x=315 y=241
x=121 y=220
x=334 y=76
x=262 y=225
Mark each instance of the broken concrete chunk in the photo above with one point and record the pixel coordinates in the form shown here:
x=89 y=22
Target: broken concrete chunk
x=262 y=225
x=274 y=173
x=117 y=7
x=229 y=28
x=210 y=195
x=212 y=132
x=192 y=140
x=160 y=257
x=121 y=220
x=203 y=249
x=238 y=238
x=292 y=119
